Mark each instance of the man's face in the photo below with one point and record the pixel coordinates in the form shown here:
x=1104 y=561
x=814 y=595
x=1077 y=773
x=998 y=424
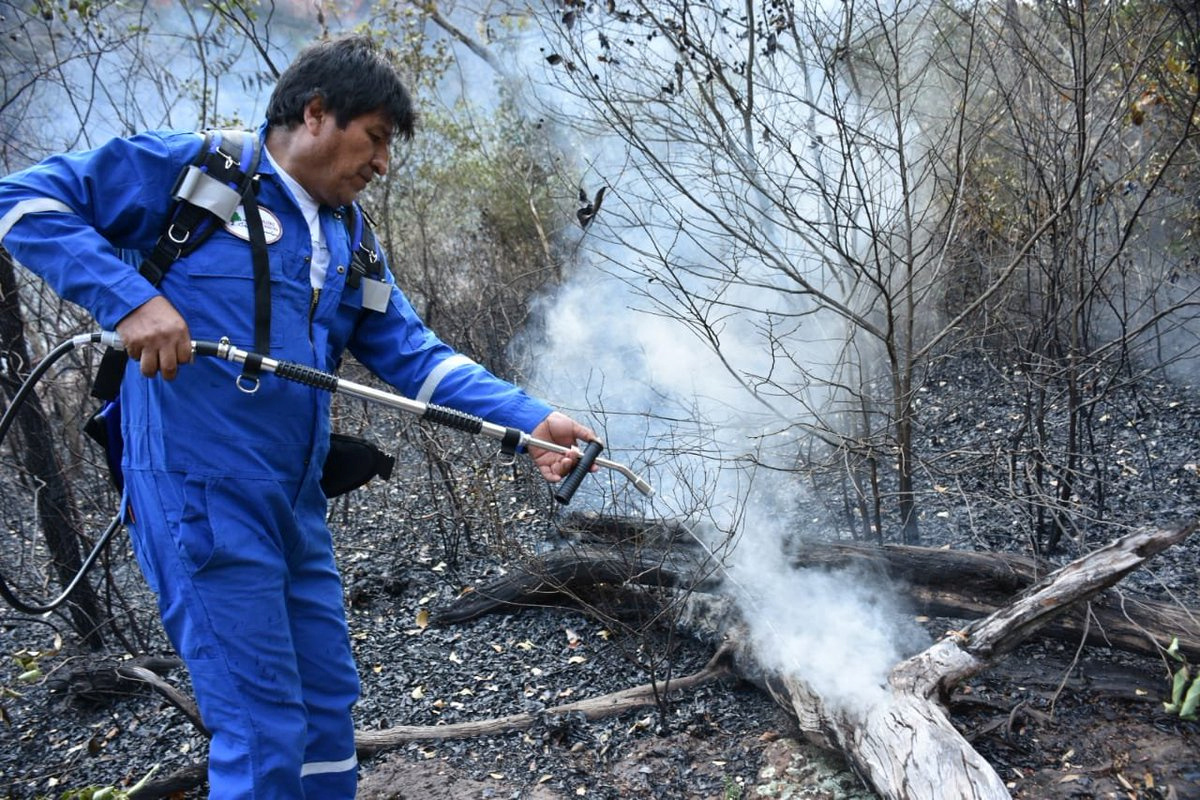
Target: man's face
x=346 y=159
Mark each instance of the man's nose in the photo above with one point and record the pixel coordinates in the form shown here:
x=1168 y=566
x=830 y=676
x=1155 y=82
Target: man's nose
x=379 y=161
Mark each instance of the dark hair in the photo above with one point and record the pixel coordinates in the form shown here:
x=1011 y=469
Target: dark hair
x=351 y=76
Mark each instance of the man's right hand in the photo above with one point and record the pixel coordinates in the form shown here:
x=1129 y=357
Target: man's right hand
x=155 y=335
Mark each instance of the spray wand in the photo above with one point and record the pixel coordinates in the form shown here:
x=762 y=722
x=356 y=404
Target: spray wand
x=511 y=439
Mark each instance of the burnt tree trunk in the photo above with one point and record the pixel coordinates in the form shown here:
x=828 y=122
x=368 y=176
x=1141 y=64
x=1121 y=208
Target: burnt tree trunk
x=904 y=746
x=961 y=584
x=56 y=510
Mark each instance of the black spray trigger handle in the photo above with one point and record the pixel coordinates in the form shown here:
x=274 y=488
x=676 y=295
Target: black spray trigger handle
x=566 y=488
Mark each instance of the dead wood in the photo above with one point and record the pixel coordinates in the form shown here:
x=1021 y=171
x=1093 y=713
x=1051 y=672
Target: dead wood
x=181 y=780
x=969 y=585
x=575 y=570
x=100 y=681
x=175 y=697
x=1080 y=580
x=905 y=747
x=649 y=694
x=940 y=583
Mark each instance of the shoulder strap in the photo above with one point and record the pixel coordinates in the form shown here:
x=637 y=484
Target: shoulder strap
x=207 y=190
x=364 y=259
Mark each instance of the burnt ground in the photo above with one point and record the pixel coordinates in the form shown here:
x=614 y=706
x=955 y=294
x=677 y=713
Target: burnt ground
x=1056 y=721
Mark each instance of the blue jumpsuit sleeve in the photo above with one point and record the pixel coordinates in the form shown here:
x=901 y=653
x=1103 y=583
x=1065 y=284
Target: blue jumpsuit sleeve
x=67 y=217
x=398 y=347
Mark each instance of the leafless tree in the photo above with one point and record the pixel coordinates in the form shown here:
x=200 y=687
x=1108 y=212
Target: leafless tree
x=791 y=188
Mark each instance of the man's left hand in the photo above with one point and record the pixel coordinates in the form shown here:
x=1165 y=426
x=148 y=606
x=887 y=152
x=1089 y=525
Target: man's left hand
x=560 y=429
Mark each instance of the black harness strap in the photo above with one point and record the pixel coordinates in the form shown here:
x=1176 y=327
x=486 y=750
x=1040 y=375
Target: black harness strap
x=365 y=259
x=262 y=283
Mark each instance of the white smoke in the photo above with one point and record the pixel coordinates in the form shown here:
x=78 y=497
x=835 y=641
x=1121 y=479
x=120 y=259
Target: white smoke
x=706 y=400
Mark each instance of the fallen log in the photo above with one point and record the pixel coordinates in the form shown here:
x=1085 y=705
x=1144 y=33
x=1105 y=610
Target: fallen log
x=969 y=585
x=959 y=584
x=905 y=746
x=577 y=570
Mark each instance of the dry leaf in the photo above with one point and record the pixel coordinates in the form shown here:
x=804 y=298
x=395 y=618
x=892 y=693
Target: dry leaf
x=423 y=618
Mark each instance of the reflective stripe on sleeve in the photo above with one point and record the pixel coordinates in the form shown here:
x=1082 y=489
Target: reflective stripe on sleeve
x=439 y=372
x=34 y=206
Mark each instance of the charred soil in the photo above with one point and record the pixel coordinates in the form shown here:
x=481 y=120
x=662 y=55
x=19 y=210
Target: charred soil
x=1057 y=721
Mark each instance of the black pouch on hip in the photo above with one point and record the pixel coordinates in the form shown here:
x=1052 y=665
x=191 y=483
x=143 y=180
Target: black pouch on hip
x=352 y=462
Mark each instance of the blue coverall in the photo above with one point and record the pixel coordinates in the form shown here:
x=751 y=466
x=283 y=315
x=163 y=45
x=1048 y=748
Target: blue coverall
x=229 y=518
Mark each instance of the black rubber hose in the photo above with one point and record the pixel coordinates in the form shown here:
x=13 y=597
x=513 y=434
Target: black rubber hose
x=18 y=400
x=6 y=421
x=33 y=607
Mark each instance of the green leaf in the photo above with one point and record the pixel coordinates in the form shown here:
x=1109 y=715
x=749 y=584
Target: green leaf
x=1178 y=685
x=1188 y=709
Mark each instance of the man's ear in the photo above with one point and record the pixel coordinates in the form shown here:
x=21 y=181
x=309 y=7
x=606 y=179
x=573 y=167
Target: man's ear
x=314 y=114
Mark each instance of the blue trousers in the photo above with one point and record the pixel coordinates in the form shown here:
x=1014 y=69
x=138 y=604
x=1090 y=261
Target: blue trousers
x=251 y=599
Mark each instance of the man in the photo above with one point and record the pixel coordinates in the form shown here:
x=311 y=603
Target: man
x=228 y=518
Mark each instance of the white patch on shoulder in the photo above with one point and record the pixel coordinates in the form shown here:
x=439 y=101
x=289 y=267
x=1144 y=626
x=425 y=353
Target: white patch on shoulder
x=272 y=229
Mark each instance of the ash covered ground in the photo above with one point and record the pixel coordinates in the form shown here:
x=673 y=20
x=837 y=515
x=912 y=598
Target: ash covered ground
x=1056 y=721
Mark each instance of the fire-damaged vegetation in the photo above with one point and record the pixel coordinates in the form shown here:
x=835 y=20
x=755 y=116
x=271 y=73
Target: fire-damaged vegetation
x=923 y=276
x=498 y=640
